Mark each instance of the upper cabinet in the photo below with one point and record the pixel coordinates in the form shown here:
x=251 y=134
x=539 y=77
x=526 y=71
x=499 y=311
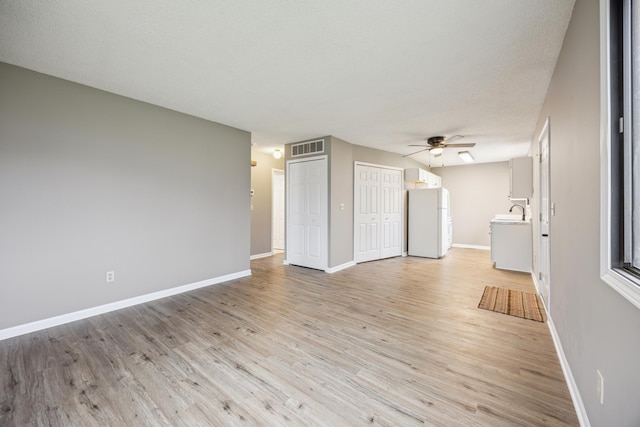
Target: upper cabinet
x=421 y=176
x=521 y=178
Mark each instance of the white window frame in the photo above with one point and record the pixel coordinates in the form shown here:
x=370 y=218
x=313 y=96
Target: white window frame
x=624 y=284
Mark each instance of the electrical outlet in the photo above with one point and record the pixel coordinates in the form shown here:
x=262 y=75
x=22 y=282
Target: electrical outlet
x=111 y=276
x=600 y=387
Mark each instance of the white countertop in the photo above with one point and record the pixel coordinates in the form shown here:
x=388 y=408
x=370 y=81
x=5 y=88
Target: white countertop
x=511 y=221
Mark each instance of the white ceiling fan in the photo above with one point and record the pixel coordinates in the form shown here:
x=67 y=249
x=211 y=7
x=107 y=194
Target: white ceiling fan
x=437 y=144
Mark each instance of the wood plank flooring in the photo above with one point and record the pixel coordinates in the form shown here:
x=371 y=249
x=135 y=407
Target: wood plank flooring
x=397 y=342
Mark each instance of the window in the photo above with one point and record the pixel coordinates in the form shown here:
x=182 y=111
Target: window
x=621 y=57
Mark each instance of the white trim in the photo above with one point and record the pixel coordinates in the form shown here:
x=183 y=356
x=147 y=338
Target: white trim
x=536 y=284
x=340 y=267
x=106 y=308
x=375 y=165
x=625 y=287
x=274 y=172
x=405 y=253
x=605 y=100
x=285 y=262
x=258 y=256
x=462 y=245
x=544 y=133
x=578 y=404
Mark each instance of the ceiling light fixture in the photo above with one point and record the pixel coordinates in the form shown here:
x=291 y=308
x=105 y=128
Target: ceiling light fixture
x=465 y=156
x=277 y=153
x=437 y=150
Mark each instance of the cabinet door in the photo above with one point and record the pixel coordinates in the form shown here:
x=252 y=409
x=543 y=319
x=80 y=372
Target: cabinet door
x=412 y=174
x=521 y=178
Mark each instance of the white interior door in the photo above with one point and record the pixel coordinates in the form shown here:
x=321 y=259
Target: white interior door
x=377 y=213
x=277 y=227
x=307 y=213
x=367 y=205
x=390 y=200
x=544 y=246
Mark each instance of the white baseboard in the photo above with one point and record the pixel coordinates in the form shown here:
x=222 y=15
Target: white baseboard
x=285 y=262
x=258 y=256
x=340 y=267
x=94 y=311
x=461 y=245
x=405 y=254
x=581 y=411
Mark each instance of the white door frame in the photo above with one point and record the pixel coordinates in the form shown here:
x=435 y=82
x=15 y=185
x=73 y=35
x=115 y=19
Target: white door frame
x=356 y=203
x=324 y=217
x=544 y=204
x=274 y=190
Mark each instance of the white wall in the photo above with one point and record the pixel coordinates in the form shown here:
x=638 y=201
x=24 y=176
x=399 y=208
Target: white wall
x=92 y=182
x=478 y=192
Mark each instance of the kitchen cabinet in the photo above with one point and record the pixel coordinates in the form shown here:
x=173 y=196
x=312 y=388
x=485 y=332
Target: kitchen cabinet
x=521 y=178
x=421 y=176
x=511 y=245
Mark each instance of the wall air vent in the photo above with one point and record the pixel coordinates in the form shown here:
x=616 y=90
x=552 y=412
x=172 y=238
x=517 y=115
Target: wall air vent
x=305 y=148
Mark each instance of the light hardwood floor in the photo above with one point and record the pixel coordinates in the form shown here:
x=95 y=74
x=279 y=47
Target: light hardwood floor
x=397 y=342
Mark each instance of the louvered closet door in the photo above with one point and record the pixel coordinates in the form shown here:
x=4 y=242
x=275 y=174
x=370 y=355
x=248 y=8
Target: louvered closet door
x=378 y=213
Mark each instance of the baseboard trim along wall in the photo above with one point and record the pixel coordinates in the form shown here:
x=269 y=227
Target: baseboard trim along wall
x=340 y=267
x=462 y=245
x=581 y=411
x=94 y=311
x=258 y=256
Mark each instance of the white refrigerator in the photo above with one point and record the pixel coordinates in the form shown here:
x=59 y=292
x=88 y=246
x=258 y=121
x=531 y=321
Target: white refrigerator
x=428 y=222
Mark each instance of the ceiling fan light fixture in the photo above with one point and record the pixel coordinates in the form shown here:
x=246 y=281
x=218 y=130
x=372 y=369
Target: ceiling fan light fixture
x=277 y=153
x=465 y=156
x=437 y=150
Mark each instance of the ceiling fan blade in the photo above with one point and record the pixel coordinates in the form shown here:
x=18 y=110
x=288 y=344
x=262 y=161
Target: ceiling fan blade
x=418 y=145
x=471 y=144
x=419 y=151
x=453 y=138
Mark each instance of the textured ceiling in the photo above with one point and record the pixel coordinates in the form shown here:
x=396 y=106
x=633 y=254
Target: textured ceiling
x=378 y=73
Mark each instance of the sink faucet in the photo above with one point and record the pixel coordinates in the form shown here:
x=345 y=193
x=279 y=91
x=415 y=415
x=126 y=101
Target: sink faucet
x=521 y=207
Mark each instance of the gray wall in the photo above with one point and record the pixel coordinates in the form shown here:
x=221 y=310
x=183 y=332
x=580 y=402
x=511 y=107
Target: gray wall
x=597 y=327
x=342 y=156
x=92 y=182
x=340 y=191
x=477 y=192
x=261 y=183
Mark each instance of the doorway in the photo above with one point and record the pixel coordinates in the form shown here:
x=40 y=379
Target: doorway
x=277 y=214
x=544 y=244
